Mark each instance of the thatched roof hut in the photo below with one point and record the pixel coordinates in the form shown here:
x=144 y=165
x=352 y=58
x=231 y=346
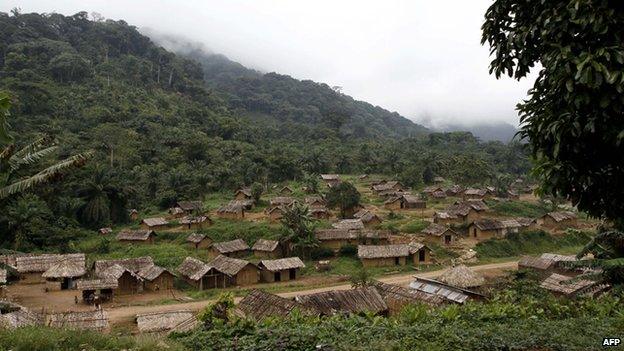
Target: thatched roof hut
x=193 y=268
x=155 y=222
x=259 y=304
x=349 y=224
x=153 y=272
x=366 y=216
x=132 y=264
x=158 y=322
x=41 y=263
x=282 y=264
x=190 y=206
x=227 y=247
x=435 y=229
x=115 y=271
x=190 y=220
x=336 y=234
x=330 y=177
x=85 y=320
x=67 y=268
x=382 y=251
x=561 y=216
x=358 y=300
x=228 y=265
x=265 y=245
x=135 y=235
x=195 y=238
x=461 y=276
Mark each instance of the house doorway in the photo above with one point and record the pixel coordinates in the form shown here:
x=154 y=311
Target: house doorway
x=421 y=256
x=397 y=261
x=474 y=232
x=447 y=239
x=277 y=276
x=292 y=274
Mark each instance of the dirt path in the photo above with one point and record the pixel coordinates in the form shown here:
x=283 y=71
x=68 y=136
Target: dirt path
x=126 y=314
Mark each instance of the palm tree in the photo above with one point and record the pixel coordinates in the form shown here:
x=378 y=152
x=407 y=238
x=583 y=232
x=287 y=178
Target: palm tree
x=12 y=160
x=298 y=232
x=104 y=199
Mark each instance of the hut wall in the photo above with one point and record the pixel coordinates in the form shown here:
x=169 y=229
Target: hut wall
x=336 y=244
x=383 y=262
x=416 y=257
x=396 y=205
x=129 y=285
x=472 y=216
x=149 y=240
x=475 y=232
x=247 y=275
x=418 y=205
x=163 y=282
x=202 y=244
x=320 y=215
x=31 y=278
x=53 y=285
x=275 y=216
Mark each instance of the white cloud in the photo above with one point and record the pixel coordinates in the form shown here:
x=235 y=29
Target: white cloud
x=420 y=58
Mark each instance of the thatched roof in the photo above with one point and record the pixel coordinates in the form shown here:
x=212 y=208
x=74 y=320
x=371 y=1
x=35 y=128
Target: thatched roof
x=476 y=204
x=525 y=222
x=561 y=216
x=3 y=276
x=511 y=224
x=383 y=251
x=193 y=268
x=535 y=263
x=135 y=235
x=489 y=224
x=444 y=215
x=398 y=293
x=157 y=221
x=412 y=199
x=282 y=201
x=437 y=230
x=475 y=192
x=194 y=219
x=244 y=191
x=190 y=205
x=461 y=276
x=132 y=264
x=389 y=185
x=265 y=245
x=259 y=304
x=67 y=268
x=41 y=263
x=358 y=300
x=228 y=265
x=558 y=258
x=415 y=246
x=231 y=246
x=115 y=272
x=310 y=200
x=231 y=207
x=366 y=216
x=564 y=285
x=10 y=259
x=349 y=224
x=286 y=189
x=86 y=320
x=105 y=230
x=96 y=284
x=448 y=292
x=196 y=238
x=153 y=272
x=335 y=234
x=185 y=326
x=282 y=264
x=461 y=209
x=162 y=321
x=16 y=316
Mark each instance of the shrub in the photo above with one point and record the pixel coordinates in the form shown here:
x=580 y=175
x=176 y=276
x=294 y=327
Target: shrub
x=348 y=250
x=321 y=252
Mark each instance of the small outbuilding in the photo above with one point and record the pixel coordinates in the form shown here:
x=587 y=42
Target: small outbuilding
x=243 y=194
x=101 y=290
x=461 y=276
x=191 y=208
x=264 y=248
x=283 y=269
x=397 y=297
x=154 y=223
x=286 y=190
x=198 y=222
x=199 y=241
x=128 y=282
x=440 y=234
x=383 y=255
x=232 y=248
x=141 y=236
x=63 y=274
x=562 y=285
x=419 y=253
x=156 y=278
x=195 y=272
x=558 y=220
x=368 y=218
x=232 y=271
x=486 y=229
x=232 y=210
x=31 y=267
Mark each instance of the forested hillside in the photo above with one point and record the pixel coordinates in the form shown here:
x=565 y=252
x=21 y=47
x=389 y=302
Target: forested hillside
x=164 y=127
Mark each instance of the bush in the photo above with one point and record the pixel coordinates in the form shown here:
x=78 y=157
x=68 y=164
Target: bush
x=321 y=252
x=414 y=226
x=348 y=250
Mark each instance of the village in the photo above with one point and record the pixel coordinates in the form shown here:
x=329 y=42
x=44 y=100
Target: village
x=168 y=265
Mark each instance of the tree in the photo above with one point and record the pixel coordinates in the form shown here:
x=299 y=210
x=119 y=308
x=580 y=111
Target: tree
x=256 y=192
x=105 y=200
x=12 y=161
x=298 y=231
x=502 y=184
x=573 y=117
x=311 y=182
x=27 y=216
x=344 y=196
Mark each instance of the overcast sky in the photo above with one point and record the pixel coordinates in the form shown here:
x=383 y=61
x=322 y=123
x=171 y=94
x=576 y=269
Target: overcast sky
x=421 y=58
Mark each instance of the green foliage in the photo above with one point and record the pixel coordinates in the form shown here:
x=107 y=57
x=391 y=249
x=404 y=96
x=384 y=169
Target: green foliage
x=256 y=191
x=529 y=242
x=298 y=230
x=348 y=250
x=219 y=312
x=518 y=208
x=414 y=226
x=360 y=278
x=321 y=253
x=572 y=118
x=344 y=196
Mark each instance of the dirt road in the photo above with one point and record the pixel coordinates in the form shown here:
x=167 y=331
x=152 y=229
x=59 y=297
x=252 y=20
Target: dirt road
x=125 y=314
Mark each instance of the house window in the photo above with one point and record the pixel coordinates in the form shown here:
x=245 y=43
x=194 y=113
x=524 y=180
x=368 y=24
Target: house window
x=447 y=239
